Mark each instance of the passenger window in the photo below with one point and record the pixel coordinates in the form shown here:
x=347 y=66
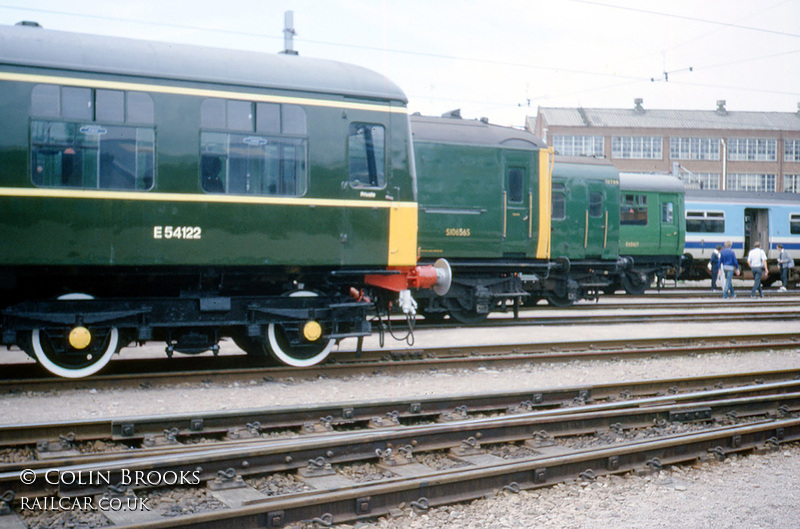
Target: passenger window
x=76 y=103
x=559 y=206
x=366 y=147
x=110 y=105
x=89 y=145
x=516 y=185
x=255 y=153
x=705 y=222
x=633 y=210
x=46 y=101
x=794 y=223
x=595 y=205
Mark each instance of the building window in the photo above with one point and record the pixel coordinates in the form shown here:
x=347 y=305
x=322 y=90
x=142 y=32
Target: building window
x=705 y=221
x=751 y=182
x=92 y=138
x=633 y=210
x=579 y=145
x=636 y=147
x=256 y=149
x=366 y=147
x=791 y=150
x=752 y=150
x=559 y=202
x=791 y=183
x=701 y=180
x=694 y=148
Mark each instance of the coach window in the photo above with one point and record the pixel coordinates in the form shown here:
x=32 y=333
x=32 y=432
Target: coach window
x=633 y=210
x=794 y=223
x=667 y=212
x=559 y=202
x=82 y=138
x=595 y=205
x=256 y=149
x=516 y=185
x=366 y=147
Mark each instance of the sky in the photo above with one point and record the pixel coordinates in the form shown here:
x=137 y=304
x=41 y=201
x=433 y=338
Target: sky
x=498 y=59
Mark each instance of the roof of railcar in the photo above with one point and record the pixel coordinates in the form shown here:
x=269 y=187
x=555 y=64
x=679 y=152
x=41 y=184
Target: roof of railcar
x=650 y=182
x=742 y=197
x=45 y=48
x=472 y=132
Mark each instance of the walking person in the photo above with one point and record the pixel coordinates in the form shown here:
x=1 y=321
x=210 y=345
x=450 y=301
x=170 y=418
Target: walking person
x=757 y=260
x=785 y=262
x=713 y=264
x=730 y=265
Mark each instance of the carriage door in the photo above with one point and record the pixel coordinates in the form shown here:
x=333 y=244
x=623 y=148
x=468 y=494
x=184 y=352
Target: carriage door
x=669 y=228
x=756 y=229
x=595 y=221
x=516 y=208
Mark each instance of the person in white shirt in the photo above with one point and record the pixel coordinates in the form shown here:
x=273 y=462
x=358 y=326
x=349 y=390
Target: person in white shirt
x=757 y=260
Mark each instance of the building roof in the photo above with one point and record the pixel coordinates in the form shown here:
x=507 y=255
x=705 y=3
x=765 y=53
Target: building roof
x=668 y=119
x=26 y=46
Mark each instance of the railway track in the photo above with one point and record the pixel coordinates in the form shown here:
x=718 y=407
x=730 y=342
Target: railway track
x=429 y=453
x=235 y=368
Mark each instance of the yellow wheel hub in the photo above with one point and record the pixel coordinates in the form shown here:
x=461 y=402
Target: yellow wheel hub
x=312 y=331
x=80 y=337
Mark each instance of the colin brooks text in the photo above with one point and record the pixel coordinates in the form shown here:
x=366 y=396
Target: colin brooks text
x=131 y=478
x=52 y=503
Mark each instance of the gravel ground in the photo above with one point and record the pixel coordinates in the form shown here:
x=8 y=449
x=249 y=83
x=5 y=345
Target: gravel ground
x=755 y=492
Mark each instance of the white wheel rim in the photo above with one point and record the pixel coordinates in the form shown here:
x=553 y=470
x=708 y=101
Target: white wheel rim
x=65 y=372
x=287 y=359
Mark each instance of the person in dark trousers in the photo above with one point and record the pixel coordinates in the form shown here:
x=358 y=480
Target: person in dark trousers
x=714 y=263
x=785 y=262
x=730 y=265
x=757 y=260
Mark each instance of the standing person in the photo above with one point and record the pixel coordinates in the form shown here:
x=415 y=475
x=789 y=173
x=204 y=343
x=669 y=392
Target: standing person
x=757 y=260
x=714 y=264
x=785 y=262
x=727 y=259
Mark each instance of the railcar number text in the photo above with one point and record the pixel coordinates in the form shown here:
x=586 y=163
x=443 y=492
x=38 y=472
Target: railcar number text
x=457 y=232
x=177 y=232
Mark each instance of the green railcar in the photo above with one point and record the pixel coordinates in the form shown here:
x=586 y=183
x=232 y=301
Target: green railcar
x=484 y=195
x=585 y=223
x=158 y=191
x=652 y=228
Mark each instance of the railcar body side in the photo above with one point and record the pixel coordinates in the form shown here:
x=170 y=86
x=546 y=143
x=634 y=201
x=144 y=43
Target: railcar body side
x=484 y=195
x=714 y=217
x=585 y=226
x=183 y=193
x=652 y=228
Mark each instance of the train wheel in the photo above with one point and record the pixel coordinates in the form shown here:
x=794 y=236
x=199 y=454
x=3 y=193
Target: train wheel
x=635 y=283
x=73 y=353
x=298 y=345
x=468 y=317
x=558 y=301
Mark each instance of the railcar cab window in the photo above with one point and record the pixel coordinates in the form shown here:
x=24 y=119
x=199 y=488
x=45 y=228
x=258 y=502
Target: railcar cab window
x=705 y=221
x=92 y=138
x=633 y=210
x=366 y=148
x=253 y=148
x=559 y=202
